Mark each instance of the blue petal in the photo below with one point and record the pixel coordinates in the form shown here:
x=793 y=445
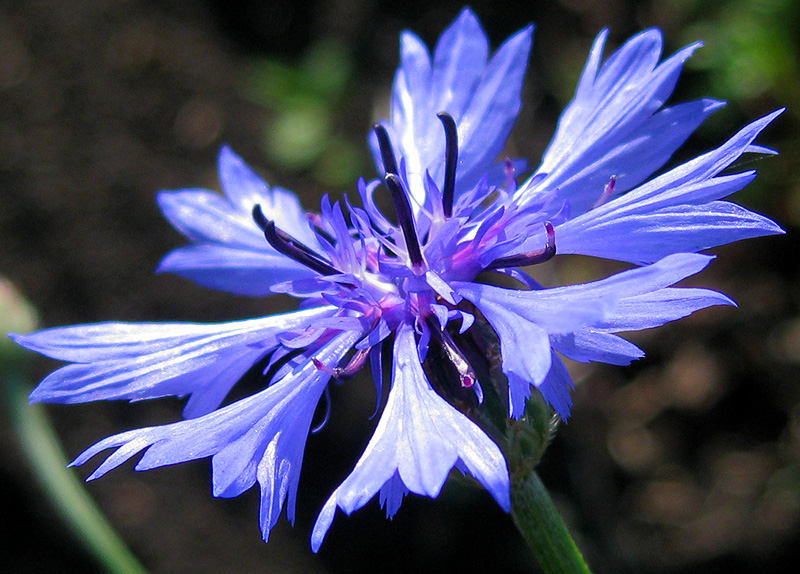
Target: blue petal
x=410 y=101
x=484 y=99
x=459 y=60
x=493 y=109
x=527 y=322
x=636 y=282
x=419 y=438
x=149 y=360
x=260 y=438
x=675 y=212
x=630 y=314
x=610 y=127
x=519 y=390
x=643 y=299
x=653 y=309
x=234 y=269
x=244 y=188
x=644 y=238
x=523 y=324
x=558 y=310
x=556 y=388
x=647 y=237
x=231 y=253
x=590 y=345
x=642 y=153
x=203 y=215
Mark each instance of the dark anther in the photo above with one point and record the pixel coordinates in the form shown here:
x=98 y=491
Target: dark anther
x=530 y=257
x=451 y=159
x=405 y=217
x=387 y=155
x=284 y=243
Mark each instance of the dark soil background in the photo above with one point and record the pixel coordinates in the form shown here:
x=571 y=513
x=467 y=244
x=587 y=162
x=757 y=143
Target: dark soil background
x=687 y=461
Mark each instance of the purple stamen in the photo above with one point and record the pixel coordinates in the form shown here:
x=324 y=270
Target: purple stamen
x=316 y=220
x=607 y=191
x=510 y=173
x=349 y=370
x=530 y=257
x=451 y=160
x=405 y=218
x=284 y=243
x=385 y=145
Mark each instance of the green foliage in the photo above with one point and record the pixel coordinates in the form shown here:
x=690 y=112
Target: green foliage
x=301 y=134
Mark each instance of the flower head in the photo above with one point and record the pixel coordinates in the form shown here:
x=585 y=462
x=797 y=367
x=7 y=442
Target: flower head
x=414 y=282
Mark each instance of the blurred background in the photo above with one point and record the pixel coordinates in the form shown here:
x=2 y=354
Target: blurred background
x=687 y=461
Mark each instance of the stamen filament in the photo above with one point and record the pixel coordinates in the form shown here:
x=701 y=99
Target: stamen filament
x=405 y=218
x=529 y=257
x=284 y=243
x=316 y=220
x=385 y=145
x=451 y=161
x=348 y=371
x=466 y=374
x=608 y=189
x=510 y=173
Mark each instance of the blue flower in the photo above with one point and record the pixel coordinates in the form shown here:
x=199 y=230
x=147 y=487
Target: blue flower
x=415 y=281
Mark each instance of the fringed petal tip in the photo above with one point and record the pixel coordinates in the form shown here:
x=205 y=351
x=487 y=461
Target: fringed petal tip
x=418 y=440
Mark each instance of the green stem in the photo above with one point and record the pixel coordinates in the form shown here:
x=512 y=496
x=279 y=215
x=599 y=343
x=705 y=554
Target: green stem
x=41 y=446
x=544 y=530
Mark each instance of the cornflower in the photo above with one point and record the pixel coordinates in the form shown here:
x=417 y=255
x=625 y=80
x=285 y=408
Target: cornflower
x=416 y=283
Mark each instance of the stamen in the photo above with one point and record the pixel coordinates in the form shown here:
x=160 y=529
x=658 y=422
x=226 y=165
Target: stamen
x=316 y=220
x=405 y=218
x=284 y=243
x=451 y=160
x=348 y=371
x=385 y=145
x=510 y=173
x=466 y=373
x=530 y=257
x=607 y=191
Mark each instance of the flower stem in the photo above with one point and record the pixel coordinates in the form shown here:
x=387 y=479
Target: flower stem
x=542 y=527
x=66 y=492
